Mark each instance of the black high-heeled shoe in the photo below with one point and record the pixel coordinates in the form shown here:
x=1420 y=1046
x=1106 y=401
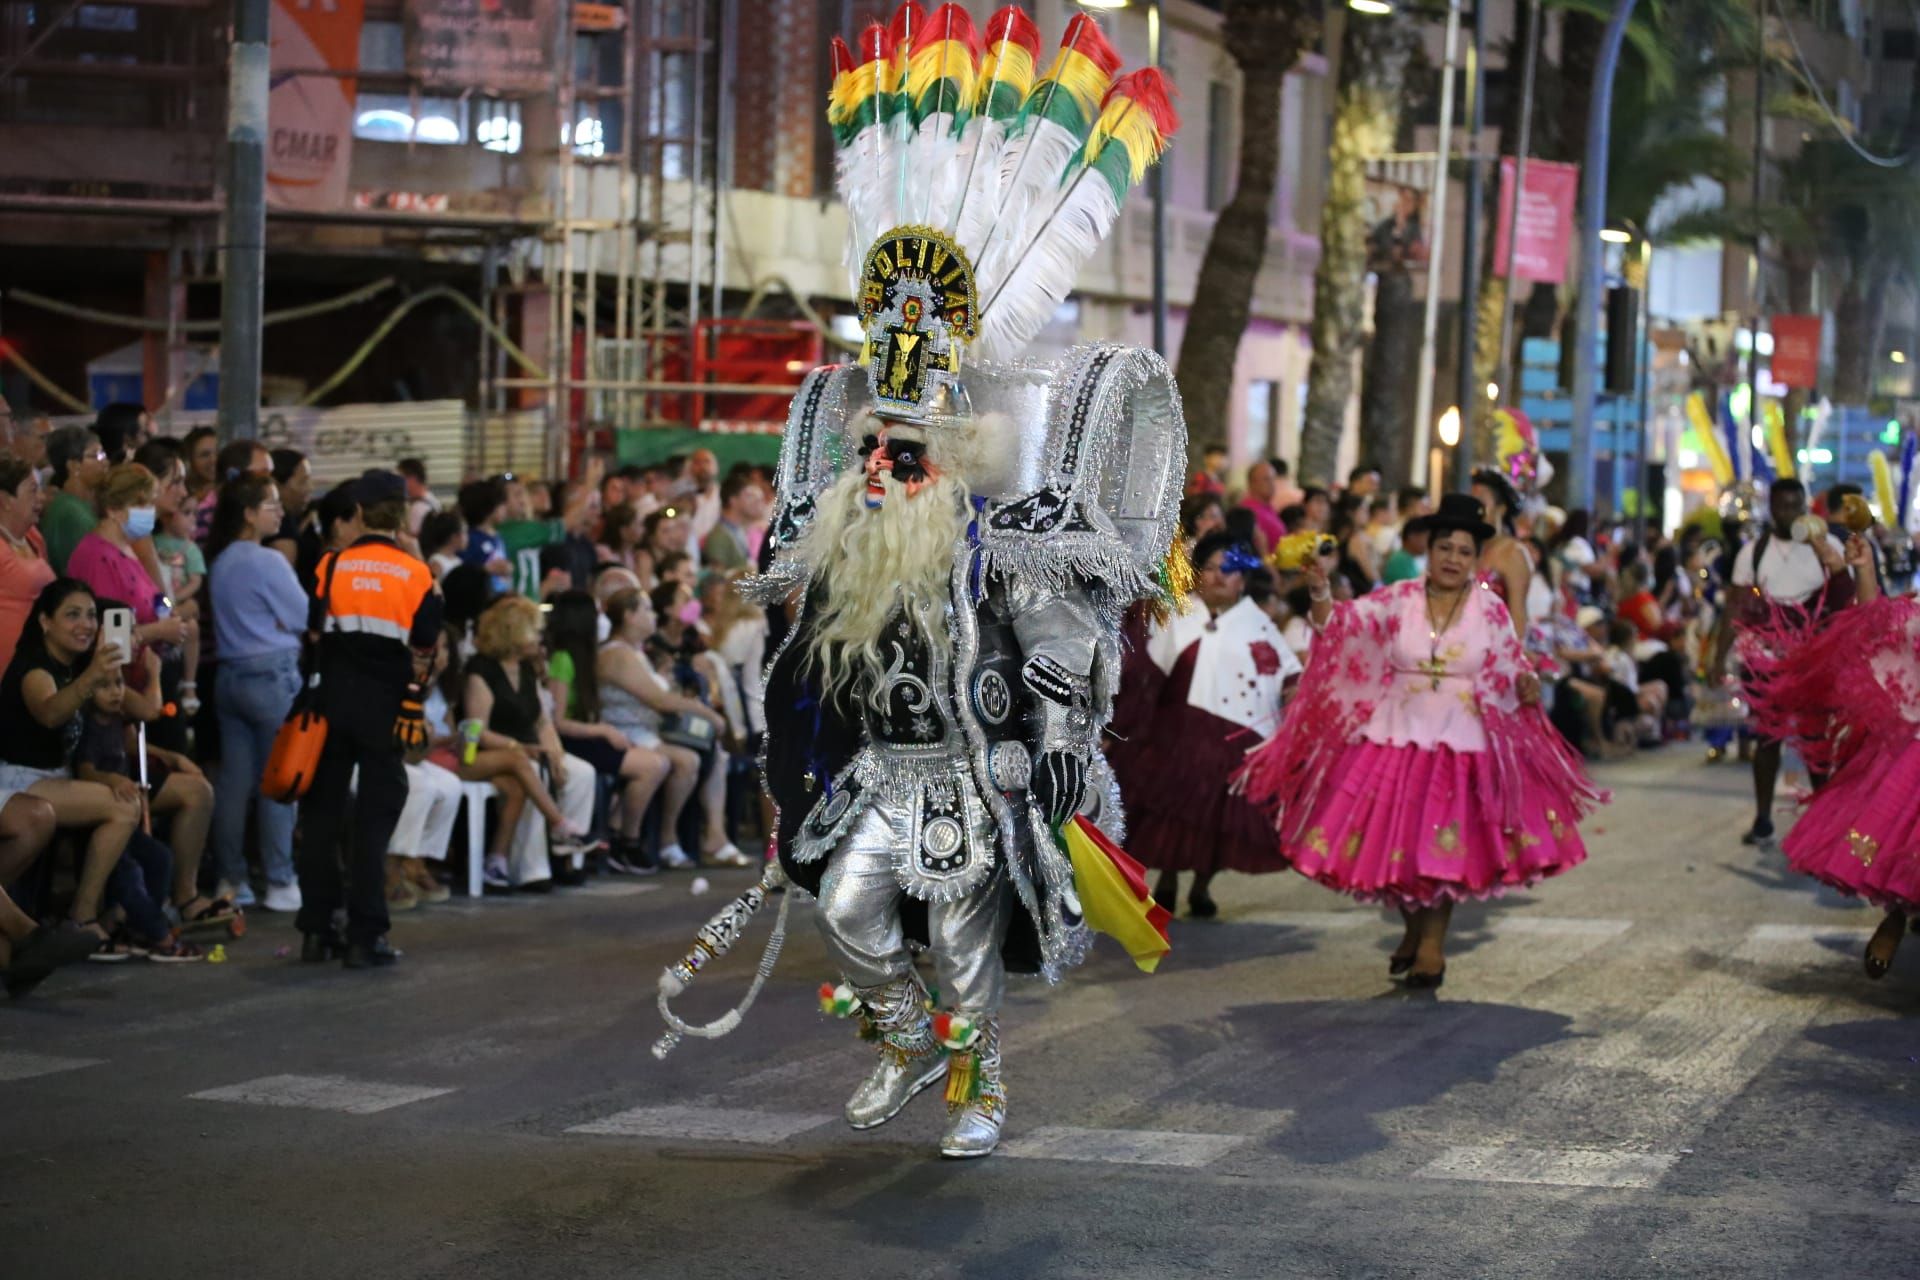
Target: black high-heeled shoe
x=1201 y=906
x=1426 y=981
x=1398 y=964
x=1876 y=967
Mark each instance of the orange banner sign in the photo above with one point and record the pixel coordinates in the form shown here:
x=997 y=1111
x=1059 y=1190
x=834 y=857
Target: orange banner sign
x=315 y=49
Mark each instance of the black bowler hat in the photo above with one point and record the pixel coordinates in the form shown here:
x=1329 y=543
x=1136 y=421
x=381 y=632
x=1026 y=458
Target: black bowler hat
x=1457 y=511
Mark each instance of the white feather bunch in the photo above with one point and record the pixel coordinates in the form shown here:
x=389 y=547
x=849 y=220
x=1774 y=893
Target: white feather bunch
x=867 y=176
x=1044 y=266
x=936 y=172
x=1029 y=182
x=978 y=194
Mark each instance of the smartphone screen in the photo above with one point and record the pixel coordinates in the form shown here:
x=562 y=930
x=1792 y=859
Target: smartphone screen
x=116 y=628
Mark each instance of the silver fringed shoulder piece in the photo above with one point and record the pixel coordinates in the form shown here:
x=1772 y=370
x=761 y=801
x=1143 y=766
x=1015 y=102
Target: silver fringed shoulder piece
x=714 y=940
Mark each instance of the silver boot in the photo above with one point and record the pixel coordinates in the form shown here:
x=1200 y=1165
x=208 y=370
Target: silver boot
x=895 y=1016
x=977 y=1112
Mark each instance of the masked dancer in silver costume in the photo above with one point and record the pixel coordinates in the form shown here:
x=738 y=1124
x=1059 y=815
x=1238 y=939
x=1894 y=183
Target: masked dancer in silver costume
x=963 y=530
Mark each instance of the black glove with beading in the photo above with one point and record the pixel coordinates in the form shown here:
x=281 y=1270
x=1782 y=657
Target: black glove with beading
x=1059 y=784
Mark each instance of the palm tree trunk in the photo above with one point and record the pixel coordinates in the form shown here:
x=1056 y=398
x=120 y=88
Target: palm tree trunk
x=1374 y=54
x=1859 y=316
x=1386 y=392
x=1265 y=38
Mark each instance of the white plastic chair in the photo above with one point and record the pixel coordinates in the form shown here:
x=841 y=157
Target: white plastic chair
x=476 y=795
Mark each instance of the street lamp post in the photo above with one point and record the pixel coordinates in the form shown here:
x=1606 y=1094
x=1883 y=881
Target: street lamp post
x=1469 y=239
x=1436 y=226
x=1593 y=220
x=1157 y=176
x=243 y=275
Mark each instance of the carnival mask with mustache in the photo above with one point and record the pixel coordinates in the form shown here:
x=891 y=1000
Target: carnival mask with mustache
x=904 y=459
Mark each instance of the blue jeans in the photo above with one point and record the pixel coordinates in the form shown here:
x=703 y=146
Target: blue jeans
x=254 y=696
x=139 y=883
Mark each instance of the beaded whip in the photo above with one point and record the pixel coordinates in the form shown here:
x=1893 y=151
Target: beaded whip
x=714 y=940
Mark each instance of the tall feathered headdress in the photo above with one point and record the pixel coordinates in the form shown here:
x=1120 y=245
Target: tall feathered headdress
x=977 y=184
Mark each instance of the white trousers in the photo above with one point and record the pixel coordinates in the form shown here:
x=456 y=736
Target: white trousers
x=528 y=853
x=425 y=828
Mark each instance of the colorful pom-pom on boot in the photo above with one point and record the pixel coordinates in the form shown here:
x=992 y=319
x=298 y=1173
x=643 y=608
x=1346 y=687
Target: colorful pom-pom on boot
x=976 y=1095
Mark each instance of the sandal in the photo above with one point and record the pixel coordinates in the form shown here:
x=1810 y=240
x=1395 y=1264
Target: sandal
x=114 y=950
x=175 y=951
x=216 y=911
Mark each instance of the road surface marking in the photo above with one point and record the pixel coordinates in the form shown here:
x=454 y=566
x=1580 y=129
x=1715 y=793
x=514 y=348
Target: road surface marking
x=321 y=1093
x=1549 y=1167
x=614 y=889
x=25 y=1066
x=1120 y=1146
x=1558 y=926
x=1322 y=920
x=1908 y=1192
x=1791 y=942
x=705 y=1124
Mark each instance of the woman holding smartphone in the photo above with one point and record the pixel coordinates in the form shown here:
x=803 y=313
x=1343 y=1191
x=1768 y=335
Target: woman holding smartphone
x=105 y=559
x=54 y=674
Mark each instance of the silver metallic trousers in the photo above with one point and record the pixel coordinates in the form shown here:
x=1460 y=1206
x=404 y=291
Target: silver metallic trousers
x=860 y=919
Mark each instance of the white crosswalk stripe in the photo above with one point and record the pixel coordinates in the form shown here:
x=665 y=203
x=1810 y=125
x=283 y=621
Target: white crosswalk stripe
x=1120 y=1146
x=321 y=1093
x=1549 y=1167
x=1681 y=1062
x=704 y=1124
x=1320 y=920
x=614 y=889
x=25 y=1066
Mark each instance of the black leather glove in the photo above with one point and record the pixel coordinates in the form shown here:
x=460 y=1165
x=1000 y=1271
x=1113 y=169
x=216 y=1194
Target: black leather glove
x=410 y=728
x=1059 y=784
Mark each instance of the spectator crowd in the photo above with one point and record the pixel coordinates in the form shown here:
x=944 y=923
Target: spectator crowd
x=596 y=683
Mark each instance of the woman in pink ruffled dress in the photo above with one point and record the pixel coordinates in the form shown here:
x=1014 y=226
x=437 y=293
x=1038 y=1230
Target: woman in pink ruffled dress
x=1416 y=767
x=1860 y=832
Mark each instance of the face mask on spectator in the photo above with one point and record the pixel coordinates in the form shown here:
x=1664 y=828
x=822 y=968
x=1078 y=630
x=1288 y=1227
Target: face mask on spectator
x=139 y=522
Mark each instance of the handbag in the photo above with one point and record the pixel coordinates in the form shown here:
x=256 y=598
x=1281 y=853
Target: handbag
x=301 y=739
x=295 y=756
x=695 y=733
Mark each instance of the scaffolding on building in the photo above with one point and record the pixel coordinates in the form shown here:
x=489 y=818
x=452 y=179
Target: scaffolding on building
x=600 y=247
x=630 y=264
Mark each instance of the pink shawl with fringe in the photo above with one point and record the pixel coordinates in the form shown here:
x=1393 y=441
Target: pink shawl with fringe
x=1849 y=688
x=1347 y=676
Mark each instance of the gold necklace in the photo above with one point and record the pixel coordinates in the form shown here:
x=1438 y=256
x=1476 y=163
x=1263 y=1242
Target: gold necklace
x=1434 y=666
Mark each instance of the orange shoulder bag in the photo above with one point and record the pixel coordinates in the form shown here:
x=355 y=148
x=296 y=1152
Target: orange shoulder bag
x=297 y=747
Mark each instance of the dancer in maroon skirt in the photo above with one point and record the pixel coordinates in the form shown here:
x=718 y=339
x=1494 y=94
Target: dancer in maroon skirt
x=1197 y=693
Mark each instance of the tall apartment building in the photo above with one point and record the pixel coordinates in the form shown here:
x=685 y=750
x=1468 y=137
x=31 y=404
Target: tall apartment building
x=654 y=168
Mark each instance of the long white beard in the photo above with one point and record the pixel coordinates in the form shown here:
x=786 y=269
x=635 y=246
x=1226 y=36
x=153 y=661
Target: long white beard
x=874 y=563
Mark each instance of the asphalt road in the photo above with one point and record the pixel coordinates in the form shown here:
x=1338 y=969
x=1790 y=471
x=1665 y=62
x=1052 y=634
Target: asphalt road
x=1667 y=1063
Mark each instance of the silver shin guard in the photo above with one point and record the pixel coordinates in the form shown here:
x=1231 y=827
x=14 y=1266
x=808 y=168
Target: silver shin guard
x=895 y=1016
x=976 y=1098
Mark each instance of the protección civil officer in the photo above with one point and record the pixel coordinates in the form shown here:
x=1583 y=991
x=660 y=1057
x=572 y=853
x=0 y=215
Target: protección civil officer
x=377 y=612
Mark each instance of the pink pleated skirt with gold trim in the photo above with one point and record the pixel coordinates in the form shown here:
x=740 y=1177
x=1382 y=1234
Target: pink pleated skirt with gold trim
x=1414 y=826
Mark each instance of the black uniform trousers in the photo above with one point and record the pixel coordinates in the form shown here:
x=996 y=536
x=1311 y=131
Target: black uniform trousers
x=360 y=712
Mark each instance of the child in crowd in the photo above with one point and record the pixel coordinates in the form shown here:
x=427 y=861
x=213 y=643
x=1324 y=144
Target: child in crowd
x=1650 y=695
x=183 y=570
x=443 y=541
x=141 y=880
